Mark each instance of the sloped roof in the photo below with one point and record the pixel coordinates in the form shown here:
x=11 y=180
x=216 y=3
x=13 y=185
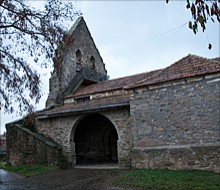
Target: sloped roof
x=105 y=103
x=115 y=84
x=188 y=66
x=216 y=59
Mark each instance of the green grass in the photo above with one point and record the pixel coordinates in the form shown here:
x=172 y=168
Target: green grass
x=28 y=170
x=170 y=180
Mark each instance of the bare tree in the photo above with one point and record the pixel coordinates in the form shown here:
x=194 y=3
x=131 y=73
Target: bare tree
x=27 y=33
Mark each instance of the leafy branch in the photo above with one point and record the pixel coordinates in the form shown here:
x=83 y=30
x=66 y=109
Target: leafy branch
x=202 y=11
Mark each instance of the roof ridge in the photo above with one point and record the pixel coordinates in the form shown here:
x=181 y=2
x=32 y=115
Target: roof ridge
x=132 y=75
x=204 y=58
x=176 y=70
x=216 y=59
x=157 y=72
x=190 y=56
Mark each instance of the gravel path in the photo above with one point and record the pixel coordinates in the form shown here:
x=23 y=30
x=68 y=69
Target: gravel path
x=72 y=179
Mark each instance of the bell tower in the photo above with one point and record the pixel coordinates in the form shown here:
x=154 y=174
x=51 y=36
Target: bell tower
x=77 y=63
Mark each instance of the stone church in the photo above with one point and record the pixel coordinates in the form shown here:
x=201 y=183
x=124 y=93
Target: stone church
x=167 y=118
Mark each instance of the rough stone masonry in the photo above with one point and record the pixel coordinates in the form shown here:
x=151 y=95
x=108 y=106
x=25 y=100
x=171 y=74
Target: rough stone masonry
x=167 y=118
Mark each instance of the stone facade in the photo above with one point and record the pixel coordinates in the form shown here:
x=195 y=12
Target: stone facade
x=202 y=157
x=62 y=129
x=168 y=118
x=3 y=147
x=77 y=59
x=177 y=124
x=27 y=147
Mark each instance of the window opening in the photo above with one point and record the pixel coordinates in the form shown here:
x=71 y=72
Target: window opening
x=78 y=56
x=92 y=62
x=82 y=100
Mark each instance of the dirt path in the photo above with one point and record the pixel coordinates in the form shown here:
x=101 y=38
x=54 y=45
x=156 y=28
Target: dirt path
x=73 y=179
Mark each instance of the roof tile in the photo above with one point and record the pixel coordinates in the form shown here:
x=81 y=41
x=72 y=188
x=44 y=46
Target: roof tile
x=188 y=66
x=88 y=106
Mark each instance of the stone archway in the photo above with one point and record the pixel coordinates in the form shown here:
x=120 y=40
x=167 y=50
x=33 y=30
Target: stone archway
x=95 y=140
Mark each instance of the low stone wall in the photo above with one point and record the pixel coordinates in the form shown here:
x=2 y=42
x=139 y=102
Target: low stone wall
x=27 y=147
x=179 y=157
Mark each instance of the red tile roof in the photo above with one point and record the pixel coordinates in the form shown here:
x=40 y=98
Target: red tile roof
x=188 y=66
x=216 y=59
x=104 y=103
x=110 y=85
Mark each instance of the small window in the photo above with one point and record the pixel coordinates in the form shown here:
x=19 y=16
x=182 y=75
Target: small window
x=78 y=56
x=92 y=62
x=82 y=100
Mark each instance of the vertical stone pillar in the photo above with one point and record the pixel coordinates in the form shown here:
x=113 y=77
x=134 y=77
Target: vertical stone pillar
x=124 y=154
x=73 y=153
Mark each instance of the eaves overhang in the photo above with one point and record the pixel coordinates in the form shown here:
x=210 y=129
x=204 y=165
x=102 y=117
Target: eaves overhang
x=83 y=110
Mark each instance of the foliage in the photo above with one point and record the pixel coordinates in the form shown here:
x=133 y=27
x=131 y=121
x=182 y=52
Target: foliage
x=28 y=170
x=202 y=11
x=27 y=34
x=29 y=121
x=2 y=164
x=167 y=179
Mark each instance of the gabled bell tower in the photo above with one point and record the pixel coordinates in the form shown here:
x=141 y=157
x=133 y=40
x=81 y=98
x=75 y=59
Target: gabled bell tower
x=77 y=63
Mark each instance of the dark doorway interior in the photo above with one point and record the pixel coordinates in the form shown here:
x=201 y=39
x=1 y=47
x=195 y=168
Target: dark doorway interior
x=95 y=140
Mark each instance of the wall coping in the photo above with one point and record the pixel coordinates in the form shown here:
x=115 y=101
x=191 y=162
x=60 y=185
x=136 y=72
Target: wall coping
x=40 y=137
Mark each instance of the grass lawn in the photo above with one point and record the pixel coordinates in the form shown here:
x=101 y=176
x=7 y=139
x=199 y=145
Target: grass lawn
x=28 y=170
x=170 y=180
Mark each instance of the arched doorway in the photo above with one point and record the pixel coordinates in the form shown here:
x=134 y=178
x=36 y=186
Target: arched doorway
x=95 y=140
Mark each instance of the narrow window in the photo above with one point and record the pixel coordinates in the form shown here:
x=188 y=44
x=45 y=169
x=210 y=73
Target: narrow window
x=78 y=57
x=92 y=62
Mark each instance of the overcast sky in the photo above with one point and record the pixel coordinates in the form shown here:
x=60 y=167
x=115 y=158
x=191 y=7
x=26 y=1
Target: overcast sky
x=139 y=36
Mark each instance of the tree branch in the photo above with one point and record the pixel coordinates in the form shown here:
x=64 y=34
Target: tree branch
x=25 y=68
x=9 y=26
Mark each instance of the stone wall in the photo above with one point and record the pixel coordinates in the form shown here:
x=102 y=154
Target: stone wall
x=58 y=129
x=27 y=147
x=177 y=124
x=121 y=120
x=76 y=53
x=61 y=130
x=205 y=157
x=96 y=96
